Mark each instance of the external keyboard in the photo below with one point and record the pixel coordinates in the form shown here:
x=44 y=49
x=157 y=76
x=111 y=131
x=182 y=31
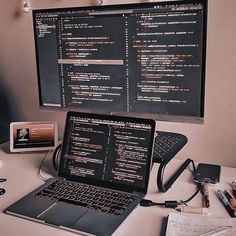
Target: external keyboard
x=92 y=197
x=167 y=145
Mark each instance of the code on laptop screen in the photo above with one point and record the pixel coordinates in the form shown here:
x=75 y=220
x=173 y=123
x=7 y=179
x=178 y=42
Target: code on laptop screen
x=107 y=150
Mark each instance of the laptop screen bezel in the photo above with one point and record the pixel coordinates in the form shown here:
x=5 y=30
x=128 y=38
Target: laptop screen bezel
x=101 y=183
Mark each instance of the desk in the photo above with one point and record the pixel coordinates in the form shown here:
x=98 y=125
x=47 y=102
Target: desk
x=21 y=173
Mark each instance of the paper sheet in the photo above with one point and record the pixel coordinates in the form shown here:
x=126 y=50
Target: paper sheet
x=180 y=224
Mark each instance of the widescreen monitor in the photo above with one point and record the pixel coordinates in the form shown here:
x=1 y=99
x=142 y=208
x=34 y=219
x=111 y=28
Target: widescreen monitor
x=145 y=60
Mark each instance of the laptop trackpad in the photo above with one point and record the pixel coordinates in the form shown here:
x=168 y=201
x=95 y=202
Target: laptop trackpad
x=62 y=214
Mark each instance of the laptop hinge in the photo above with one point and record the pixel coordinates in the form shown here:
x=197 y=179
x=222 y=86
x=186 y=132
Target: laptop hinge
x=61 y=178
x=138 y=193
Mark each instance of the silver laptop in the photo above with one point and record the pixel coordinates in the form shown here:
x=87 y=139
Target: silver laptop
x=103 y=174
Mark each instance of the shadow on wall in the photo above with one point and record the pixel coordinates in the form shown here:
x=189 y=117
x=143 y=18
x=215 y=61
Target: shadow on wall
x=4 y=115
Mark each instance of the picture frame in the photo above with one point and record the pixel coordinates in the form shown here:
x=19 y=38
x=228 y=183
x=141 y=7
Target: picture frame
x=33 y=136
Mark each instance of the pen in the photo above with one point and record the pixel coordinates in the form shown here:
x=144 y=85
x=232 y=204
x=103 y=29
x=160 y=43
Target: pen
x=226 y=203
x=217 y=231
x=231 y=200
x=206 y=195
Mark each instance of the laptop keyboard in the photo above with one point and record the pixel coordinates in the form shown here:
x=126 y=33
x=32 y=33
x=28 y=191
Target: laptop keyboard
x=92 y=197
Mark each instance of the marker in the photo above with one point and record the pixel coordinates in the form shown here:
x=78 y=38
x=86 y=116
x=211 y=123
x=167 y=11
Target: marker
x=231 y=200
x=206 y=195
x=226 y=203
x=193 y=210
x=234 y=188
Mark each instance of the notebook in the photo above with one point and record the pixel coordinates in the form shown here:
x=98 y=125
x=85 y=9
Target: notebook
x=103 y=174
x=186 y=224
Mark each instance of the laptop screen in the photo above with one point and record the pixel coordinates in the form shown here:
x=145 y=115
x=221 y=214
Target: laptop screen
x=109 y=151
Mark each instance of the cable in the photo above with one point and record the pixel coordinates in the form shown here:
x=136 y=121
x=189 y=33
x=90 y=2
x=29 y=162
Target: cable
x=173 y=204
x=55 y=157
x=40 y=167
x=169 y=204
x=160 y=174
x=189 y=199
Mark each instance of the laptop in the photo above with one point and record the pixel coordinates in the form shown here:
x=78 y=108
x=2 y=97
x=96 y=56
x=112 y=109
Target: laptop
x=103 y=174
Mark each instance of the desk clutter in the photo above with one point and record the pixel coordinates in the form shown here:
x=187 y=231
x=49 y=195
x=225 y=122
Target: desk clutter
x=214 y=211
x=196 y=222
x=168 y=145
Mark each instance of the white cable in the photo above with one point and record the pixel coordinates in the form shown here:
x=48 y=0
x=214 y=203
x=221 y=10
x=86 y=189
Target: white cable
x=40 y=167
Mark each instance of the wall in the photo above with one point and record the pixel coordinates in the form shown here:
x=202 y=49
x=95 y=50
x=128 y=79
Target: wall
x=212 y=142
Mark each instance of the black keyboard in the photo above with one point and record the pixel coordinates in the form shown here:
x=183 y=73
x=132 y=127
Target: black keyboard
x=92 y=197
x=167 y=145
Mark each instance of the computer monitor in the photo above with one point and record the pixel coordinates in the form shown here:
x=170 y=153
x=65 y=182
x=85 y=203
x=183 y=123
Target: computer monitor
x=143 y=59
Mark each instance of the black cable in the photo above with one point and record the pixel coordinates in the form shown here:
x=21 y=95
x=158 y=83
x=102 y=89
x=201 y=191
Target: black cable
x=168 y=204
x=194 y=167
x=173 y=204
x=189 y=199
x=55 y=157
x=160 y=174
x=147 y=203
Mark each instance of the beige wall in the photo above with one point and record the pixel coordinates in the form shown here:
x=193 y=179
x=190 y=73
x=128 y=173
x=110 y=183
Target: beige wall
x=212 y=142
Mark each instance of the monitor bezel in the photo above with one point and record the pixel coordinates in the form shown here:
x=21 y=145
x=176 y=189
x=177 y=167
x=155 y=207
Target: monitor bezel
x=157 y=116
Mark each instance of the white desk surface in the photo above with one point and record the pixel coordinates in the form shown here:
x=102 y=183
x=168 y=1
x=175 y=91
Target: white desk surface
x=21 y=171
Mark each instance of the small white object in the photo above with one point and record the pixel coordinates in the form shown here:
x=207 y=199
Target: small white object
x=100 y=2
x=194 y=210
x=25 y=5
x=1 y=163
